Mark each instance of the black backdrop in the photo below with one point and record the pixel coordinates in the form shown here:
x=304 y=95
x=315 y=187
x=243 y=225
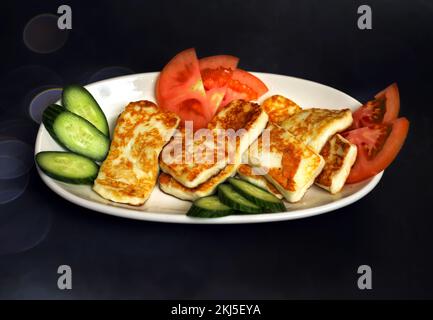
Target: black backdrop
x=390 y=229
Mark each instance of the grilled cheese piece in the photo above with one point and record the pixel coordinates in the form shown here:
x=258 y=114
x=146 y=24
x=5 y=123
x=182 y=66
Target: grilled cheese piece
x=339 y=155
x=290 y=165
x=180 y=157
x=279 y=108
x=169 y=185
x=129 y=173
x=245 y=172
x=245 y=119
x=318 y=128
x=315 y=127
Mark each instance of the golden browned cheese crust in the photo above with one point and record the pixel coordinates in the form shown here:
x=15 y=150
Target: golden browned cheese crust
x=292 y=155
x=279 y=108
x=291 y=165
x=339 y=155
x=183 y=164
x=239 y=114
x=334 y=154
x=315 y=126
x=129 y=173
x=185 y=168
x=169 y=185
x=246 y=170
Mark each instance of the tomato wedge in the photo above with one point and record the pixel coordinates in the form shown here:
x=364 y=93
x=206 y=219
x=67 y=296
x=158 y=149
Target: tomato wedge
x=216 y=72
x=378 y=145
x=384 y=108
x=243 y=85
x=392 y=101
x=180 y=89
x=215 y=62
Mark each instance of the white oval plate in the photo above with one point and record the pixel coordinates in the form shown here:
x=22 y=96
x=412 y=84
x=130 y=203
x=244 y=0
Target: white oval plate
x=114 y=94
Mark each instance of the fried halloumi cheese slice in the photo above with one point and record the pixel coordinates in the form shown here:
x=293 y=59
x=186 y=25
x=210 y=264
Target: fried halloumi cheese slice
x=245 y=172
x=179 y=159
x=323 y=124
x=170 y=186
x=247 y=119
x=315 y=127
x=129 y=173
x=339 y=155
x=279 y=108
x=290 y=165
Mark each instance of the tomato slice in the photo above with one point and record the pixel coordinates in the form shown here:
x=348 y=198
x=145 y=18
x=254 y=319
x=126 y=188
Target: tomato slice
x=378 y=145
x=369 y=114
x=384 y=108
x=215 y=62
x=216 y=78
x=243 y=85
x=180 y=89
x=216 y=72
x=392 y=101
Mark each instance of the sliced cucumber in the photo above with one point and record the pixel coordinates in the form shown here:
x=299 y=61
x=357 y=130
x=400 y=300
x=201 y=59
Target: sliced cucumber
x=75 y=133
x=78 y=100
x=259 y=196
x=209 y=207
x=67 y=167
x=235 y=200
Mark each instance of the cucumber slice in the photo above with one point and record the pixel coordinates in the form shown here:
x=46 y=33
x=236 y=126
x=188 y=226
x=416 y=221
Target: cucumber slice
x=235 y=200
x=259 y=196
x=67 y=167
x=209 y=207
x=78 y=100
x=75 y=133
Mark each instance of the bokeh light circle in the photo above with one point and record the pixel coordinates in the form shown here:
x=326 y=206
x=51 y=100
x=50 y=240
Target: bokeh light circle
x=23 y=229
x=42 y=35
x=16 y=158
x=11 y=189
x=41 y=100
x=23 y=129
x=21 y=85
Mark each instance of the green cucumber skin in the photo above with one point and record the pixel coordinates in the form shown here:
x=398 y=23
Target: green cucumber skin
x=49 y=116
x=69 y=104
x=200 y=213
x=48 y=119
x=199 y=208
x=88 y=180
x=224 y=198
x=269 y=207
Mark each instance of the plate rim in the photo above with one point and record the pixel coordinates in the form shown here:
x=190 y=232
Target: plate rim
x=124 y=212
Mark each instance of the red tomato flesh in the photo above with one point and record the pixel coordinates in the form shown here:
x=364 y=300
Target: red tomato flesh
x=378 y=145
x=220 y=61
x=370 y=113
x=384 y=108
x=216 y=78
x=243 y=85
x=180 y=89
x=216 y=72
x=392 y=100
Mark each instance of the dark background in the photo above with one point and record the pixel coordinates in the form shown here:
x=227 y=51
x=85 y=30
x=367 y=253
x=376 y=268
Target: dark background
x=390 y=229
